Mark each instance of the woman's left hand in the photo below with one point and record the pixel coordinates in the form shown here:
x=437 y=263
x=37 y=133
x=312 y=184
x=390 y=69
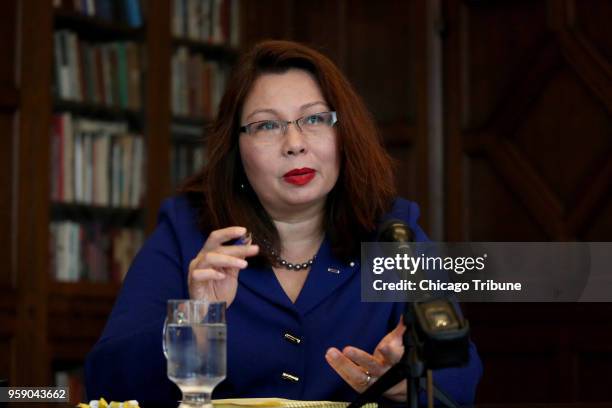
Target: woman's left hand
x=361 y=369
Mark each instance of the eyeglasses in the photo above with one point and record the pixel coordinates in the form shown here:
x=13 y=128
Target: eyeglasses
x=315 y=123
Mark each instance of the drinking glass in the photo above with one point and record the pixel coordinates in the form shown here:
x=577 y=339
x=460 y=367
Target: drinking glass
x=194 y=343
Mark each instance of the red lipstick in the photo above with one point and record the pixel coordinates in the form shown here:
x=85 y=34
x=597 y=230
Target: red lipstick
x=299 y=177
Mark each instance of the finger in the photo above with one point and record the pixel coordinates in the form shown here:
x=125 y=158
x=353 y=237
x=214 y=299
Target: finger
x=217 y=260
x=396 y=336
x=202 y=275
x=388 y=349
x=218 y=237
x=368 y=362
x=239 y=251
x=348 y=371
x=391 y=353
x=400 y=328
x=399 y=392
x=391 y=347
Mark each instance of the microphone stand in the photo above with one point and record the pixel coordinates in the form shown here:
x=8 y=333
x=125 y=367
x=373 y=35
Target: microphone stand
x=411 y=367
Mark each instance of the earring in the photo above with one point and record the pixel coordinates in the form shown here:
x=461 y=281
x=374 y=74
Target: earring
x=241 y=186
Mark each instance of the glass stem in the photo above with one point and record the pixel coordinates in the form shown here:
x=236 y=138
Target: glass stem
x=197 y=399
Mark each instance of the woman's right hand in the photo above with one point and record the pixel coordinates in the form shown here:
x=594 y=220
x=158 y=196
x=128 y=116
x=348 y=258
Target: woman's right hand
x=213 y=273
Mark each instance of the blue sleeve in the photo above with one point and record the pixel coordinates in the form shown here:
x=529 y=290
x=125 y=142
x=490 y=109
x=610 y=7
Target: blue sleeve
x=460 y=382
x=127 y=362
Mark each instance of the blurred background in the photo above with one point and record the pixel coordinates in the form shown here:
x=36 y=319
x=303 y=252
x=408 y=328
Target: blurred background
x=498 y=112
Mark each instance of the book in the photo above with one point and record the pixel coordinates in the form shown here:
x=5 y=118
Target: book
x=99 y=73
x=197 y=84
x=61 y=65
x=96 y=162
x=92 y=251
x=188 y=154
x=209 y=21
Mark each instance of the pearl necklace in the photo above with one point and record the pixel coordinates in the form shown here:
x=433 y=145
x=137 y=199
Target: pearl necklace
x=285 y=264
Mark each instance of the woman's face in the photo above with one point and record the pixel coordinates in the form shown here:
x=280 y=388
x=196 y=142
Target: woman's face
x=296 y=170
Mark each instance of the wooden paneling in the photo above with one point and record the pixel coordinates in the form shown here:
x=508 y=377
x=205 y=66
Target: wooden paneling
x=8 y=42
x=6 y=345
x=592 y=19
x=542 y=352
x=76 y=317
x=8 y=330
x=570 y=165
x=7 y=274
x=601 y=225
x=8 y=107
x=588 y=365
x=380 y=58
x=266 y=19
x=75 y=324
x=157 y=108
x=490 y=31
x=528 y=117
x=31 y=228
x=321 y=24
x=533 y=103
x=483 y=212
x=406 y=169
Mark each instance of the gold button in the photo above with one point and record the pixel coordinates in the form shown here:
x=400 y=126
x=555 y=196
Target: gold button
x=290 y=377
x=291 y=338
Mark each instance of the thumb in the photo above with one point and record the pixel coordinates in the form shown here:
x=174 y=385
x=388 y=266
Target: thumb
x=392 y=354
x=399 y=329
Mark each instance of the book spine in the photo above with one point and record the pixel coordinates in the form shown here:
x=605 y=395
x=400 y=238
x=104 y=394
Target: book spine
x=88 y=168
x=177 y=14
x=133 y=13
x=192 y=19
x=91 y=75
x=114 y=74
x=235 y=23
x=217 y=31
x=65 y=83
x=122 y=74
x=107 y=74
x=56 y=162
x=115 y=164
x=68 y=157
x=137 y=166
x=75 y=84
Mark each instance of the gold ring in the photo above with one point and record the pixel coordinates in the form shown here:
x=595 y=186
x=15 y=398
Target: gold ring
x=367 y=379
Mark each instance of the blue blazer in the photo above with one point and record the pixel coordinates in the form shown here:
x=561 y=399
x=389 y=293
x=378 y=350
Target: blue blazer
x=127 y=362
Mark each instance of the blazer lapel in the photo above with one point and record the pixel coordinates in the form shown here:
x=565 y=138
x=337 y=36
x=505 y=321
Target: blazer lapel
x=263 y=282
x=326 y=275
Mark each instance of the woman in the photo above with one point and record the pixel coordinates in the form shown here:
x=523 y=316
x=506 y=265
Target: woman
x=295 y=161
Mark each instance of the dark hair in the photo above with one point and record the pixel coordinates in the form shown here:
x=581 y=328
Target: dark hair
x=365 y=188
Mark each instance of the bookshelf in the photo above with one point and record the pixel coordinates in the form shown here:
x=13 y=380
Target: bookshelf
x=99 y=148
x=203 y=50
x=84 y=109
x=94 y=27
x=56 y=322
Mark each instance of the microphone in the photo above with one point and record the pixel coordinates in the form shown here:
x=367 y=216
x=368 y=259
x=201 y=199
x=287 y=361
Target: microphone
x=394 y=230
x=436 y=334
x=440 y=332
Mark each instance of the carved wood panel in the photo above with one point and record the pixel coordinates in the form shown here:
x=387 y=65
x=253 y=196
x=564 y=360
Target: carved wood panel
x=528 y=97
